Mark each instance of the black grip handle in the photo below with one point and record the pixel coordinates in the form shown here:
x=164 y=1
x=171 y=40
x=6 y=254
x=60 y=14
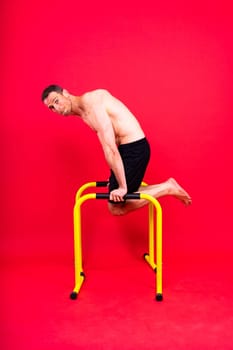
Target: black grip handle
x=127 y=196
x=101 y=183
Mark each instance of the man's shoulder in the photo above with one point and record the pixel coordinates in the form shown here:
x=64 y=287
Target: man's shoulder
x=96 y=92
x=95 y=96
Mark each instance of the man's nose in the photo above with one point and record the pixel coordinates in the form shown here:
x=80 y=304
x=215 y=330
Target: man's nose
x=56 y=108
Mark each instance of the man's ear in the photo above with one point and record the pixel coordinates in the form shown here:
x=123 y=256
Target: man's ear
x=65 y=93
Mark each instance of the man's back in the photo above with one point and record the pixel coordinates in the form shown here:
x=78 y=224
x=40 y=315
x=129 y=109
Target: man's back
x=99 y=104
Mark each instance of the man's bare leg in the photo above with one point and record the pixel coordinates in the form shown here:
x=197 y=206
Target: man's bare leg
x=169 y=187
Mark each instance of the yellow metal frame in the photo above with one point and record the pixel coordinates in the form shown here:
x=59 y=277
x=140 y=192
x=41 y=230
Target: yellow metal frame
x=150 y=258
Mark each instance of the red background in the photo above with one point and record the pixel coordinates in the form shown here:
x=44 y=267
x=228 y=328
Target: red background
x=171 y=64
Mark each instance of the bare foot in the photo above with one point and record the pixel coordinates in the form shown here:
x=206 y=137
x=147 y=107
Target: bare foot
x=179 y=192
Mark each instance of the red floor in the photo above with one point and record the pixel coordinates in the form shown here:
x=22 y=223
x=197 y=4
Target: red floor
x=116 y=307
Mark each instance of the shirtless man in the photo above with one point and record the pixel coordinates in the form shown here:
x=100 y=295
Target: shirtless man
x=124 y=144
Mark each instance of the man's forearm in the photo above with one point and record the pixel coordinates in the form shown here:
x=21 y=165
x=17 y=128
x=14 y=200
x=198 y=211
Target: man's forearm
x=115 y=163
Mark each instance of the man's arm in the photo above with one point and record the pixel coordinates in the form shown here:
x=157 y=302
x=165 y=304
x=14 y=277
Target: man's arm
x=105 y=133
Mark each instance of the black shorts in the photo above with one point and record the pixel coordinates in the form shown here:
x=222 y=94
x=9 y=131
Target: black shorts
x=135 y=156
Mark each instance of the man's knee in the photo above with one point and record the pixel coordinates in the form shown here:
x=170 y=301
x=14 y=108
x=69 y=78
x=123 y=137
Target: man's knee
x=116 y=209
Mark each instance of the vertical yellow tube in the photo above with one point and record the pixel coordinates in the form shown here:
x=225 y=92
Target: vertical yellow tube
x=158 y=265
x=79 y=275
x=159 y=249
x=151 y=234
x=77 y=247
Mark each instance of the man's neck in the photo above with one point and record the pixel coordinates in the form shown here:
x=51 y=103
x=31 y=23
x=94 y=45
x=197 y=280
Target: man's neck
x=76 y=105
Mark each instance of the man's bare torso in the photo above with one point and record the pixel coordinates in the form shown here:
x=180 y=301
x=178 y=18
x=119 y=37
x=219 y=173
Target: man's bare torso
x=98 y=107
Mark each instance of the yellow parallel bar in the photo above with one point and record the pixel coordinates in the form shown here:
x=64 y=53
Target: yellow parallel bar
x=79 y=278
x=83 y=188
x=153 y=203
x=158 y=240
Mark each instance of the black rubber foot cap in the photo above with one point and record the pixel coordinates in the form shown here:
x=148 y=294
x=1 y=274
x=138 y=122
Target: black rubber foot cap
x=73 y=295
x=159 y=297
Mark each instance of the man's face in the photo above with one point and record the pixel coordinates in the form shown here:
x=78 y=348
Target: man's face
x=58 y=103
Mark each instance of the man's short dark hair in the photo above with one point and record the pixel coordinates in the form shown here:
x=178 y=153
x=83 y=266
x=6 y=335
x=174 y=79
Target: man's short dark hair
x=49 y=89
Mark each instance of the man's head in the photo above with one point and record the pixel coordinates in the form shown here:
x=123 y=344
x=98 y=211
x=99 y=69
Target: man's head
x=57 y=99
